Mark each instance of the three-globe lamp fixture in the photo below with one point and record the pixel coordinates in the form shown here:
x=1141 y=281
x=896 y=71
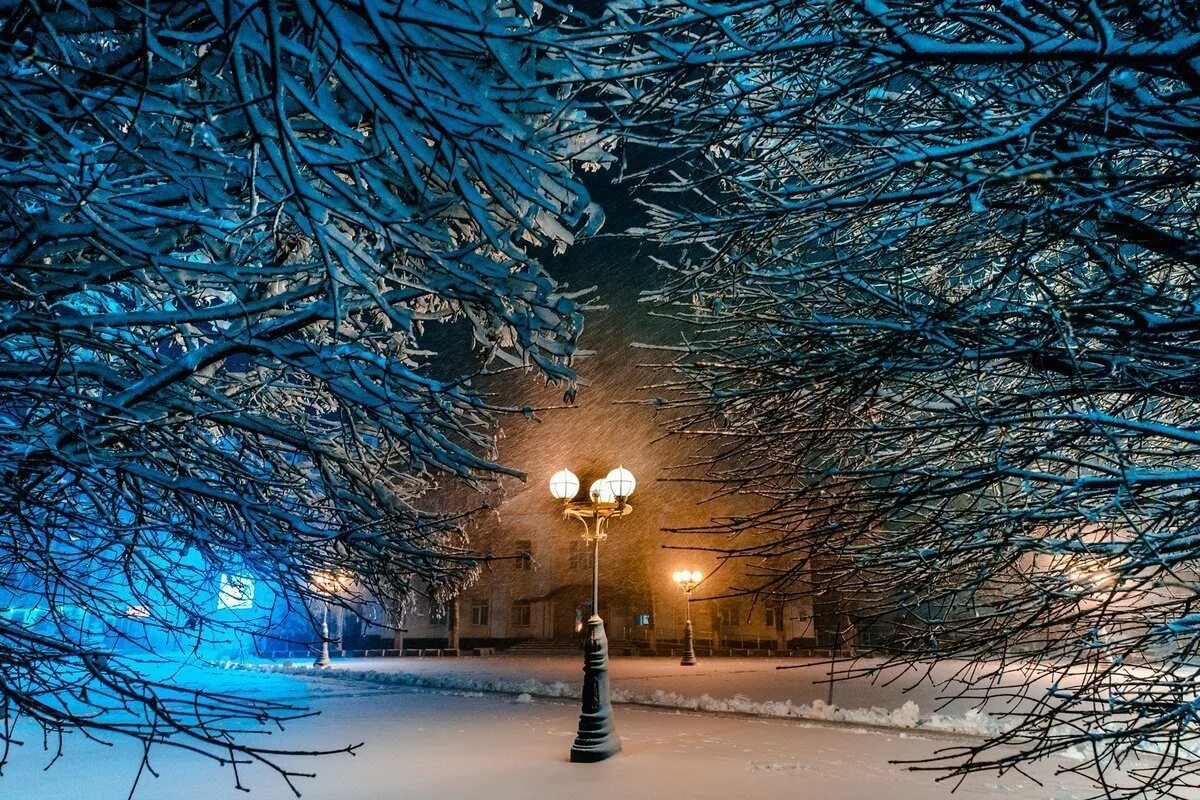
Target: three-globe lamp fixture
x=616 y=487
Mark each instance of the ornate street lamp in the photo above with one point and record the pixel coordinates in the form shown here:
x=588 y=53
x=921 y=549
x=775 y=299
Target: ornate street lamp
x=687 y=580
x=597 y=737
x=327 y=583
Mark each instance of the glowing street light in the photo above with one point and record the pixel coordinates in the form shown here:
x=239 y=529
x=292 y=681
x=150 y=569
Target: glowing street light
x=328 y=584
x=597 y=737
x=687 y=580
x=564 y=485
x=601 y=492
x=621 y=482
x=1091 y=577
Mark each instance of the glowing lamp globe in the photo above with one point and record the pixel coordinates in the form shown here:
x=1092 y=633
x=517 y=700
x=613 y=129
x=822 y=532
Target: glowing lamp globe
x=564 y=485
x=677 y=577
x=601 y=492
x=328 y=581
x=620 y=481
x=697 y=577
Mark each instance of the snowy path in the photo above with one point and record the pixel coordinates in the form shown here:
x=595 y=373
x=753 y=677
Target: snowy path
x=430 y=745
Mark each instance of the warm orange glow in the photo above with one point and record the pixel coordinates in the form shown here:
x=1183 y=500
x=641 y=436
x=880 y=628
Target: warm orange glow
x=330 y=582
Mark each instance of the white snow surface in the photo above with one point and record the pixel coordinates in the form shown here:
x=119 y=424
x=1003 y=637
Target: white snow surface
x=443 y=744
x=753 y=687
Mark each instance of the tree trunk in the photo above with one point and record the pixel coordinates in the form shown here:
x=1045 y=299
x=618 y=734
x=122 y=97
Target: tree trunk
x=452 y=621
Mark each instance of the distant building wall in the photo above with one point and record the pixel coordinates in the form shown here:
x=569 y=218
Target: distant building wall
x=638 y=599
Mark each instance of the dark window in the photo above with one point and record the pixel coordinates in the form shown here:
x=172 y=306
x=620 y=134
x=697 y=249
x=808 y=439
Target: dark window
x=769 y=617
x=522 y=614
x=438 y=615
x=730 y=617
x=481 y=612
x=524 y=546
x=579 y=553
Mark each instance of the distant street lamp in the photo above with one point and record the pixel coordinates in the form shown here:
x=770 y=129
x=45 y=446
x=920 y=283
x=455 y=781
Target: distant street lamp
x=597 y=737
x=327 y=583
x=687 y=581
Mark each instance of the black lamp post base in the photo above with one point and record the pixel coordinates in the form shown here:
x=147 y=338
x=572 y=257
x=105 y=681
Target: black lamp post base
x=597 y=737
x=606 y=751
x=323 y=661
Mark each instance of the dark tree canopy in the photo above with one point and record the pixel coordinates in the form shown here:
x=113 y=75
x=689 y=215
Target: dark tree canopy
x=938 y=261
x=224 y=229
x=941 y=264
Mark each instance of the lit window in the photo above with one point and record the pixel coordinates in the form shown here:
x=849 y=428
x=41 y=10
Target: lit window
x=236 y=592
x=522 y=613
x=481 y=612
x=642 y=620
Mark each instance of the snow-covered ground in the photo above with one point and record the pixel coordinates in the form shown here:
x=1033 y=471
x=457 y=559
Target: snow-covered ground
x=431 y=744
x=792 y=688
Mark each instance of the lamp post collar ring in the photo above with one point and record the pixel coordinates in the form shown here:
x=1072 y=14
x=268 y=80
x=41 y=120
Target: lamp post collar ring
x=587 y=510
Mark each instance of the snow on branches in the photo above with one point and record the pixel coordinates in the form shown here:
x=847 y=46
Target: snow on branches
x=942 y=265
x=224 y=228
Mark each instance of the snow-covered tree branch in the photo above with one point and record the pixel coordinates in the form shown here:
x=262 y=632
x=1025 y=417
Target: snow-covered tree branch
x=941 y=263
x=224 y=230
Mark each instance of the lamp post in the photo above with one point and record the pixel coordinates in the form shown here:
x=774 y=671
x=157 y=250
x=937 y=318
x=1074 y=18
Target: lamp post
x=327 y=583
x=1093 y=584
x=687 y=580
x=597 y=737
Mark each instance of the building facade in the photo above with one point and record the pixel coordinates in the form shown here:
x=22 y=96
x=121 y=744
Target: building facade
x=547 y=594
